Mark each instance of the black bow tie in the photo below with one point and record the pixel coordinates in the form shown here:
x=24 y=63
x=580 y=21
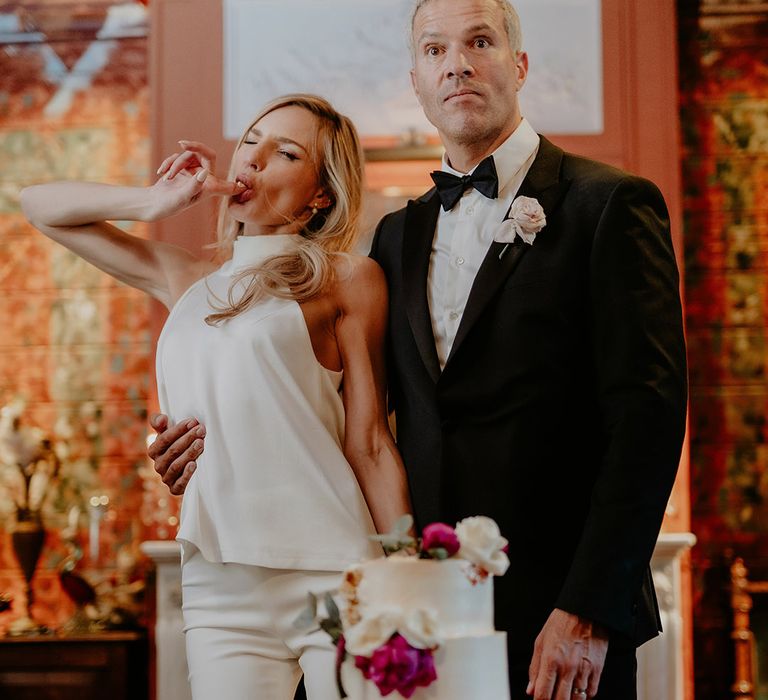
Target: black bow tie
x=451 y=187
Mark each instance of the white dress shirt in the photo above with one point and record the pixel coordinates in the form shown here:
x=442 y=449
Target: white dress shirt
x=465 y=233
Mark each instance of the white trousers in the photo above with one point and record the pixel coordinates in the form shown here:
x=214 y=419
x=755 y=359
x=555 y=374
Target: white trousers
x=240 y=635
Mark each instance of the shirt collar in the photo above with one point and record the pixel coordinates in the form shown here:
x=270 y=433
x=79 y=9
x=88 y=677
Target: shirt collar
x=510 y=156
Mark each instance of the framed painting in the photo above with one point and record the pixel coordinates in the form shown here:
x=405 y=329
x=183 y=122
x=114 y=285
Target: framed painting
x=357 y=54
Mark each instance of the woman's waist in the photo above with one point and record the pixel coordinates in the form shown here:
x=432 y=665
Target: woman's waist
x=288 y=517
x=227 y=404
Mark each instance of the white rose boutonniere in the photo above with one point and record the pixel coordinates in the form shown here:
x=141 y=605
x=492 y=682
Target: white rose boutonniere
x=482 y=544
x=525 y=219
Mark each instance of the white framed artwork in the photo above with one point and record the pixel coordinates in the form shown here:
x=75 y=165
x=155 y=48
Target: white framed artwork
x=356 y=54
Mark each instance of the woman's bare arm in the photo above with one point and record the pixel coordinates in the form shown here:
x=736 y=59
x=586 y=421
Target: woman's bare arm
x=75 y=214
x=369 y=446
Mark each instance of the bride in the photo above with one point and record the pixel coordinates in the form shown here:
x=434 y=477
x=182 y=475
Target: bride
x=278 y=350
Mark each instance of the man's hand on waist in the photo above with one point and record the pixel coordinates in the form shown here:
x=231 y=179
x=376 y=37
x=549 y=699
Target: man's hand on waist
x=175 y=450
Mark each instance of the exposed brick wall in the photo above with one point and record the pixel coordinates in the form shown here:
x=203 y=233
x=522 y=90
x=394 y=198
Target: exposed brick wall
x=74 y=344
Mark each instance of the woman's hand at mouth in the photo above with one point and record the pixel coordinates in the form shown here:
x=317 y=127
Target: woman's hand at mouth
x=188 y=177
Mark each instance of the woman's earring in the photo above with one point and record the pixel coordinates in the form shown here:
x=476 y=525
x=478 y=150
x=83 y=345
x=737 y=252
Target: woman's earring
x=314 y=211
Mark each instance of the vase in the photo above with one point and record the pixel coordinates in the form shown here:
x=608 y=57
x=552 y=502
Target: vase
x=27 y=538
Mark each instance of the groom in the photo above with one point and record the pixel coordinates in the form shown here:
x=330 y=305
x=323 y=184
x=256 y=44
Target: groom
x=537 y=366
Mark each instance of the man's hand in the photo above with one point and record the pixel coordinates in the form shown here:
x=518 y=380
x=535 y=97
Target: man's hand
x=175 y=450
x=568 y=658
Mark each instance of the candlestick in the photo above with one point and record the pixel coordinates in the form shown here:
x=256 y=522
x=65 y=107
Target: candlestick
x=97 y=506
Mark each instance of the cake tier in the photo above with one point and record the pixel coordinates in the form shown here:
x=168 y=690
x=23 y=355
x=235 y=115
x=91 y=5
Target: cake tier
x=462 y=608
x=467 y=668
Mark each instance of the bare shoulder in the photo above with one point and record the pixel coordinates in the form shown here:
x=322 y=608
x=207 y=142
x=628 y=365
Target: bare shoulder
x=352 y=273
x=359 y=281
x=184 y=269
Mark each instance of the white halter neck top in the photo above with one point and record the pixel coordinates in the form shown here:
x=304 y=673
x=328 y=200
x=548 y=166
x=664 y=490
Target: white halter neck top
x=272 y=487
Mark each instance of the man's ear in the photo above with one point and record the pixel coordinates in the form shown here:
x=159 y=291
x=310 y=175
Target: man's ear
x=521 y=63
x=413 y=85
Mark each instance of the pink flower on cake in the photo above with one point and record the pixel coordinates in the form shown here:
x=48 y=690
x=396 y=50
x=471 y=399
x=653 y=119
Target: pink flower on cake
x=437 y=537
x=482 y=544
x=397 y=665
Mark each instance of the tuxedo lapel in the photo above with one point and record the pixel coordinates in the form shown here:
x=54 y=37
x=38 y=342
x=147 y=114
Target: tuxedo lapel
x=420 y=222
x=542 y=183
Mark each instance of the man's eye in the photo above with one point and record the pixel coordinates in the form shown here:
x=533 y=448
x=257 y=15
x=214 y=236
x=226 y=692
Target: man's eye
x=433 y=51
x=481 y=43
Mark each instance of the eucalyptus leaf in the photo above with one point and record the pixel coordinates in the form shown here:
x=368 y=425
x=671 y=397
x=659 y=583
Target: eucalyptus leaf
x=438 y=553
x=388 y=538
x=403 y=524
x=398 y=538
x=304 y=619
x=307 y=616
x=331 y=608
x=398 y=546
x=332 y=628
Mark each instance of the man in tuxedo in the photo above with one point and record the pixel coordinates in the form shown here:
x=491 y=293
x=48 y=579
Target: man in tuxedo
x=536 y=360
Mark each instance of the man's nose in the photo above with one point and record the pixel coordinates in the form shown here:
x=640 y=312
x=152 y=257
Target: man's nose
x=458 y=65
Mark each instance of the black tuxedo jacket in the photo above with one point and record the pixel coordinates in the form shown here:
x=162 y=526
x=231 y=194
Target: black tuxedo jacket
x=561 y=409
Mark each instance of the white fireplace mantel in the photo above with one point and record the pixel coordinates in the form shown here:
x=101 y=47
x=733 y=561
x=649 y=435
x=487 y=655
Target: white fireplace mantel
x=171 y=661
x=660 y=667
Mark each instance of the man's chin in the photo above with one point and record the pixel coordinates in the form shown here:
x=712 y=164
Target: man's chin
x=467 y=130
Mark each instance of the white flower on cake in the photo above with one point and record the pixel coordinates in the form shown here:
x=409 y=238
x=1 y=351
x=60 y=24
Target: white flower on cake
x=418 y=627
x=371 y=632
x=482 y=544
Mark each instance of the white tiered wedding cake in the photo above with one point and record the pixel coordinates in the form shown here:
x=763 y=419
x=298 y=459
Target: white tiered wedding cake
x=420 y=624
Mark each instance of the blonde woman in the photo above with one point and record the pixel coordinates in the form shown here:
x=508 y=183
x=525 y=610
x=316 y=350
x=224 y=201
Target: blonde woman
x=297 y=472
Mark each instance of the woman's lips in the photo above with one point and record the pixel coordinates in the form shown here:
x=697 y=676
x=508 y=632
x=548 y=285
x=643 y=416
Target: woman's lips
x=246 y=194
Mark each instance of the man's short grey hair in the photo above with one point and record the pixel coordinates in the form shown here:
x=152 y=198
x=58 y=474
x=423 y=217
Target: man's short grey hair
x=511 y=24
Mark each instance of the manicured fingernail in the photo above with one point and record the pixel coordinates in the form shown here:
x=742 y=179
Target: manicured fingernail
x=191 y=423
x=191 y=467
x=201 y=175
x=200 y=432
x=197 y=445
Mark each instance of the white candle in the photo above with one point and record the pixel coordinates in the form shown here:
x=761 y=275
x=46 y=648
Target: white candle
x=97 y=506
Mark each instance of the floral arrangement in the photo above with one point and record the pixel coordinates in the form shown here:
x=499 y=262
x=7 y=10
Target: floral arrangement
x=395 y=649
x=28 y=462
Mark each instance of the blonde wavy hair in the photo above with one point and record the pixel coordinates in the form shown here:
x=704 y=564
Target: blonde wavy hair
x=305 y=272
